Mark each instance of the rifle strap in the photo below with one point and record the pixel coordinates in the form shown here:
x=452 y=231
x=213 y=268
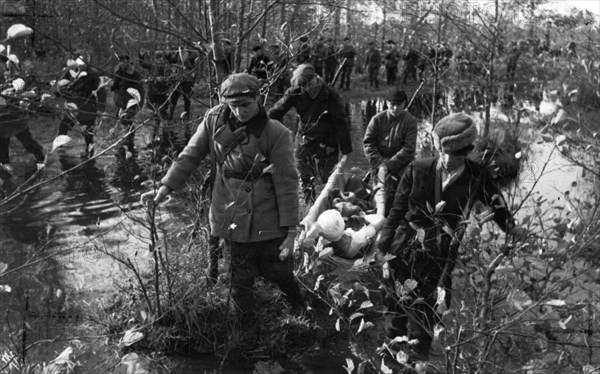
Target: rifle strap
x=239 y=138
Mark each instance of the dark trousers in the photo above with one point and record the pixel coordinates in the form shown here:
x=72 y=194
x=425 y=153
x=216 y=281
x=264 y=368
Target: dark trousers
x=85 y=116
x=402 y=316
x=314 y=160
x=249 y=260
x=126 y=119
x=329 y=73
x=29 y=143
x=373 y=76
x=161 y=106
x=391 y=72
x=345 y=76
x=409 y=71
x=391 y=185
x=184 y=88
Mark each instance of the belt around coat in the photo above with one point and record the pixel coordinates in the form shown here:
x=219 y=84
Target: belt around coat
x=249 y=176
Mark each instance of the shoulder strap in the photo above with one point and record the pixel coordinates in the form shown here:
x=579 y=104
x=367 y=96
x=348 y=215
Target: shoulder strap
x=213 y=154
x=240 y=136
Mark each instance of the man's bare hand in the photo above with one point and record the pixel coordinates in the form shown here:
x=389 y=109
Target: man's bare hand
x=287 y=247
x=155 y=197
x=383 y=259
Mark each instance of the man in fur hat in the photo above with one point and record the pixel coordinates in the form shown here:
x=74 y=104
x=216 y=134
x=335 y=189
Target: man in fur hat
x=451 y=184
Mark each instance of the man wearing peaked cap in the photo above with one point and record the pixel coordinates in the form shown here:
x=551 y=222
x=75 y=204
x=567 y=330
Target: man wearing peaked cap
x=347 y=54
x=390 y=142
x=323 y=126
x=451 y=183
x=254 y=197
x=239 y=88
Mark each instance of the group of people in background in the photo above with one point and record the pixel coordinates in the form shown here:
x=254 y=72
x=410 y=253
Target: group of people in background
x=83 y=89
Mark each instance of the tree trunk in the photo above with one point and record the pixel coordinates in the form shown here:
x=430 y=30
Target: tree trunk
x=490 y=80
x=435 y=64
x=238 y=44
x=337 y=18
x=264 y=24
x=217 y=52
x=349 y=23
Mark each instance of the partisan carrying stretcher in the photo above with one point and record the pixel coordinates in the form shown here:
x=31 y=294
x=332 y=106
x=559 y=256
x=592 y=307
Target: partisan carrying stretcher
x=346 y=219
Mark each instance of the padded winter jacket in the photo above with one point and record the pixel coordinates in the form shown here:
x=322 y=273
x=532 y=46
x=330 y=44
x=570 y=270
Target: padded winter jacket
x=255 y=193
x=322 y=119
x=417 y=191
x=391 y=141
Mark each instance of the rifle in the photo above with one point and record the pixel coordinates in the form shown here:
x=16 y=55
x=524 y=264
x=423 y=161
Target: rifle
x=337 y=73
x=412 y=98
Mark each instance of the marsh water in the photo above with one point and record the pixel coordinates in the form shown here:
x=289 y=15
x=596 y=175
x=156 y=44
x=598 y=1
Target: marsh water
x=57 y=282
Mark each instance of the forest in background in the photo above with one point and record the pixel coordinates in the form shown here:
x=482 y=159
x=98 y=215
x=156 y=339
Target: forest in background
x=523 y=292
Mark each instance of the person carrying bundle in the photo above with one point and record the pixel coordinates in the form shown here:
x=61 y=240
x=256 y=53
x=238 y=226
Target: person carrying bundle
x=79 y=85
x=14 y=119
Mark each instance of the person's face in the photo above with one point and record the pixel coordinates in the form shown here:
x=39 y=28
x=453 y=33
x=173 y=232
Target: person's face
x=126 y=66
x=311 y=87
x=452 y=162
x=245 y=110
x=395 y=107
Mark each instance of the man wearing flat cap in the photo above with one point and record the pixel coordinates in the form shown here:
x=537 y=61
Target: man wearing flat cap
x=254 y=199
x=323 y=126
x=390 y=142
x=450 y=184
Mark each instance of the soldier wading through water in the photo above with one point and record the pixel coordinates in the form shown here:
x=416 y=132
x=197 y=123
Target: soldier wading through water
x=254 y=202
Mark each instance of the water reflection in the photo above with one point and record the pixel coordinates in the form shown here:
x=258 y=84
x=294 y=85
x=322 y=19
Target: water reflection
x=40 y=233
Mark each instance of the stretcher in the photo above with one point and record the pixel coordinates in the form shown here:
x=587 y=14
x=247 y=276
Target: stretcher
x=345 y=221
